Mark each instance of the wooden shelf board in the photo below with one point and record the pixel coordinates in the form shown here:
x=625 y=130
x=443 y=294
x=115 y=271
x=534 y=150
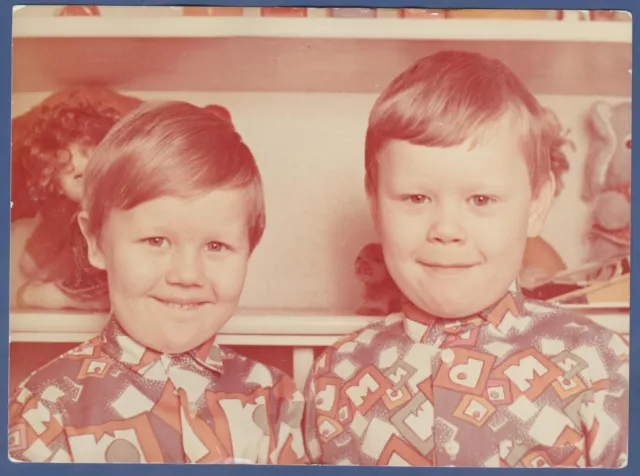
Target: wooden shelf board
x=270 y=64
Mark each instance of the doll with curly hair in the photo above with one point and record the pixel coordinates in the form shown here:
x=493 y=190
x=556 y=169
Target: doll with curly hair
x=51 y=145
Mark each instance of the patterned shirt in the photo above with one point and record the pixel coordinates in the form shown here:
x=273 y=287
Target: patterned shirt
x=523 y=384
x=113 y=400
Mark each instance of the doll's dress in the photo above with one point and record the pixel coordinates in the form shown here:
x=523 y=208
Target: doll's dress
x=59 y=251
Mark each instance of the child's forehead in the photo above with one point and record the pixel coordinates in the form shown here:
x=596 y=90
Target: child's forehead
x=498 y=161
x=209 y=205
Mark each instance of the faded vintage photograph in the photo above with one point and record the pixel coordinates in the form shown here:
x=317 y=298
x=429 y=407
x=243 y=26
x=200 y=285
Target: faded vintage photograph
x=335 y=236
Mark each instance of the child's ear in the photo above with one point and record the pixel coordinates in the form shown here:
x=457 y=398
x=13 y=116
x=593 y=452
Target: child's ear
x=94 y=253
x=540 y=206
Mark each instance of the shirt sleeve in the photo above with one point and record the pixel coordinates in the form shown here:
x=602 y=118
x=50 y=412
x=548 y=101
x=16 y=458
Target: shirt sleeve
x=36 y=432
x=287 y=431
x=605 y=407
x=311 y=435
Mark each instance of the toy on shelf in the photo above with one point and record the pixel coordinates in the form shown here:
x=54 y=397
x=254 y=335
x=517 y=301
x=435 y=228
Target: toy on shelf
x=571 y=287
x=212 y=11
x=607 y=182
x=51 y=144
x=381 y=295
x=283 y=12
x=353 y=12
x=514 y=14
x=575 y=15
x=610 y=15
x=423 y=13
x=79 y=11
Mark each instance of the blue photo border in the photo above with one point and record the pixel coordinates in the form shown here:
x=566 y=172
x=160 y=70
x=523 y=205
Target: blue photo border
x=28 y=469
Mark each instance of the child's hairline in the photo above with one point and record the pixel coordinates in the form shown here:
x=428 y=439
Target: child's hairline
x=524 y=128
x=255 y=195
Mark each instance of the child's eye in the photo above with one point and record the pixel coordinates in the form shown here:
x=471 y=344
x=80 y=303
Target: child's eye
x=157 y=241
x=215 y=246
x=482 y=200
x=417 y=198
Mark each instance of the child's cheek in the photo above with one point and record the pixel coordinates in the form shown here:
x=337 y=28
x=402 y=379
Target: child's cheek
x=136 y=270
x=226 y=276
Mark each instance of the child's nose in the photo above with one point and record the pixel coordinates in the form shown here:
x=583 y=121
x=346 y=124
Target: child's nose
x=186 y=269
x=446 y=228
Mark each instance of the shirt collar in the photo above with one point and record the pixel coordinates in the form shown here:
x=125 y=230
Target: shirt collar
x=124 y=349
x=417 y=323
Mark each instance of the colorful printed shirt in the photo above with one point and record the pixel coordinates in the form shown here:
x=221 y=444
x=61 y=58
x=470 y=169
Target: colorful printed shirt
x=113 y=400
x=523 y=384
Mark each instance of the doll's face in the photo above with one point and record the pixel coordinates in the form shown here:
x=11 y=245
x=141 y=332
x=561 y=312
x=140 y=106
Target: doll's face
x=71 y=178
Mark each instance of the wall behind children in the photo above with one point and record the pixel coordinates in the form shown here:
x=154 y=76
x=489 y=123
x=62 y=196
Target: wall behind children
x=309 y=147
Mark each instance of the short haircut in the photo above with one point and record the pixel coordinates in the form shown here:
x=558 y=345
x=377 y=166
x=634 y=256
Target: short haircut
x=450 y=97
x=170 y=148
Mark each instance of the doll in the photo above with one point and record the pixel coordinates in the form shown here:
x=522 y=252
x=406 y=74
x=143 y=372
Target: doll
x=381 y=295
x=51 y=144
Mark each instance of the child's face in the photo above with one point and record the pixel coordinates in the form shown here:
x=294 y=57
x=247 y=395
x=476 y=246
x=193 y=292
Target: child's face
x=176 y=266
x=453 y=222
x=71 y=178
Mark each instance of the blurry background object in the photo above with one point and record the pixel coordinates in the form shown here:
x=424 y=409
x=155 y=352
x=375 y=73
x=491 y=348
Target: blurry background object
x=353 y=12
x=607 y=182
x=575 y=15
x=504 y=14
x=423 y=13
x=283 y=12
x=610 y=15
x=79 y=11
x=381 y=296
x=212 y=11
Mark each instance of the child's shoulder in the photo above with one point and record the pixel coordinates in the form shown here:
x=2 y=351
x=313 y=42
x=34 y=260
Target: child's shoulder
x=567 y=324
x=48 y=381
x=362 y=343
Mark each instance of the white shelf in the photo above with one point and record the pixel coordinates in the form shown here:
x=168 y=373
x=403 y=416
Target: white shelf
x=354 y=28
x=307 y=54
x=250 y=326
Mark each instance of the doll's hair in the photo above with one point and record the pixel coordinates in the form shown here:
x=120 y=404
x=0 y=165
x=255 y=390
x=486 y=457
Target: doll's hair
x=43 y=152
x=174 y=149
x=450 y=97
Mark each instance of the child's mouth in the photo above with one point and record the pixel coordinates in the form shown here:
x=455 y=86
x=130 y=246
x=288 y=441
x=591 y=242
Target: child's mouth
x=448 y=269
x=182 y=305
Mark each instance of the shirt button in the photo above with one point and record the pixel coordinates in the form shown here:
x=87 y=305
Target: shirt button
x=448 y=356
x=452 y=448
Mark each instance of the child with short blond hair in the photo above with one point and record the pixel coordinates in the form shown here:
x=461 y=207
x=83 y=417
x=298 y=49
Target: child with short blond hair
x=470 y=373
x=172 y=211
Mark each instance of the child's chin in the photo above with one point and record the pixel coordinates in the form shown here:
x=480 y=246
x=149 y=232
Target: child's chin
x=172 y=346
